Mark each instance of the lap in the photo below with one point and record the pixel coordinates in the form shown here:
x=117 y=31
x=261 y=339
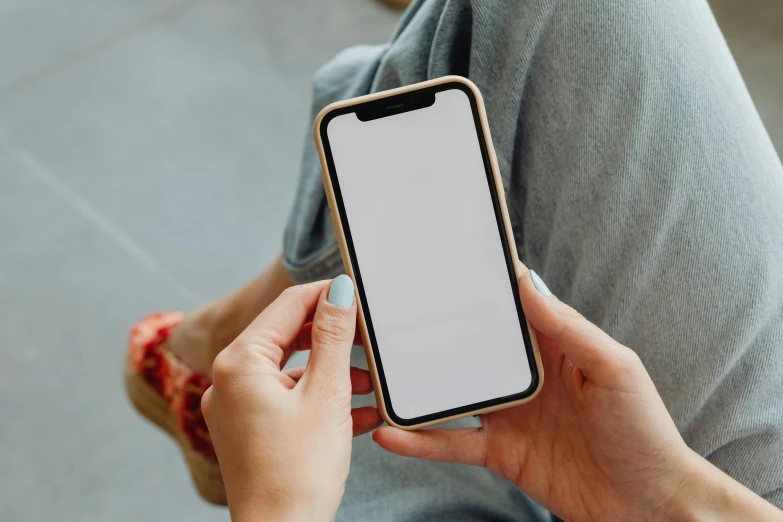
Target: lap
x=641 y=185
x=382 y=486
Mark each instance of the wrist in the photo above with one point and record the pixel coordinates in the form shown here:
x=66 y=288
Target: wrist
x=707 y=493
x=692 y=498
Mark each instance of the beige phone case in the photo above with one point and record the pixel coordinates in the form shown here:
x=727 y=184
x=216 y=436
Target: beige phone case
x=338 y=228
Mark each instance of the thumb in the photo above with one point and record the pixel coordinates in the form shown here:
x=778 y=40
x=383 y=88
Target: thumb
x=462 y=445
x=599 y=357
x=334 y=326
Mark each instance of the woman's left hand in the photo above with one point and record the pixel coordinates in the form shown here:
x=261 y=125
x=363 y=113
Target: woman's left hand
x=283 y=438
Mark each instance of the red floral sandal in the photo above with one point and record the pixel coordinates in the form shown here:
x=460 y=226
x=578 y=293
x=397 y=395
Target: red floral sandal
x=168 y=393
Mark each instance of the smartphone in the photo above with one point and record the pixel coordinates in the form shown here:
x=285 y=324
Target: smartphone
x=419 y=210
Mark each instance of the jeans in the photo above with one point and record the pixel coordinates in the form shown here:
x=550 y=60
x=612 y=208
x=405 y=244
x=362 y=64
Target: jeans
x=641 y=186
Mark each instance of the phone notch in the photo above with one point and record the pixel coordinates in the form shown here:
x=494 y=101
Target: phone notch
x=394 y=105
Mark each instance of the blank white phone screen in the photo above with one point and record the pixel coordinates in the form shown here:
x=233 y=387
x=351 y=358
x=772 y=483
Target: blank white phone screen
x=428 y=248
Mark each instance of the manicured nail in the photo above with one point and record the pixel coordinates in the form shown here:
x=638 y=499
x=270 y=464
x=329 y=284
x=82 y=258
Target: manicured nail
x=341 y=291
x=539 y=284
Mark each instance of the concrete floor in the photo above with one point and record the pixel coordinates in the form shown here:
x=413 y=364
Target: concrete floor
x=148 y=156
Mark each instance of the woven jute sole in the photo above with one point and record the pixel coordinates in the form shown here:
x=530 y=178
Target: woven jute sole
x=205 y=472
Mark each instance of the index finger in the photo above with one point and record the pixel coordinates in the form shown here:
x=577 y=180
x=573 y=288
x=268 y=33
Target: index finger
x=280 y=324
x=591 y=349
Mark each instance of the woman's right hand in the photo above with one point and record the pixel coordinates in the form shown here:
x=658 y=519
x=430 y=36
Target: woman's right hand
x=597 y=443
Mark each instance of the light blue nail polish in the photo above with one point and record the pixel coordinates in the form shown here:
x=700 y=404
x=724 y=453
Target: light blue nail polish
x=341 y=291
x=539 y=284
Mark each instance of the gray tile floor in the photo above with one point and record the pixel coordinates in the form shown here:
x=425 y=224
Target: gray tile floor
x=148 y=155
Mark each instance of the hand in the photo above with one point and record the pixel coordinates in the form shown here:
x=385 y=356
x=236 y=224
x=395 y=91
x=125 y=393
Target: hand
x=596 y=444
x=283 y=438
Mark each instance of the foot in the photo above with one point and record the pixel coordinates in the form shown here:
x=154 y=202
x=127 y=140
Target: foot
x=197 y=340
x=206 y=331
x=169 y=366
x=168 y=393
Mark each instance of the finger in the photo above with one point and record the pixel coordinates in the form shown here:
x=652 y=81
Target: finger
x=278 y=326
x=300 y=344
x=464 y=445
x=211 y=419
x=207 y=404
x=361 y=383
x=365 y=419
x=591 y=350
x=334 y=326
x=303 y=341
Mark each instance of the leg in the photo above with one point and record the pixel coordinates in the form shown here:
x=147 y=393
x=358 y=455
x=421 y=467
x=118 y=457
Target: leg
x=170 y=360
x=384 y=486
x=204 y=332
x=640 y=182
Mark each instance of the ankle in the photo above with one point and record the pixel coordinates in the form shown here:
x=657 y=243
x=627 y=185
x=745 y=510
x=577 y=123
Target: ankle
x=204 y=332
x=194 y=341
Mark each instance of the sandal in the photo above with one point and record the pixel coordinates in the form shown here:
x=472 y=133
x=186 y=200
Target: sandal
x=168 y=393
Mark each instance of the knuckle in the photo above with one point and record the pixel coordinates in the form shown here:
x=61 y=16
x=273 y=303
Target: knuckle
x=268 y=336
x=247 y=353
x=223 y=368
x=293 y=295
x=266 y=344
x=331 y=330
x=573 y=315
x=207 y=403
x=566 y=329
x=291 y=291
x=630 y=360
x=570 y=322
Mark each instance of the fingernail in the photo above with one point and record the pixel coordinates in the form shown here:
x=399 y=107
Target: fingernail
x=539 y=284
x=341 y=291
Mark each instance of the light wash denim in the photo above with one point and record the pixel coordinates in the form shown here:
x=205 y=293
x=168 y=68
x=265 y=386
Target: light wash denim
x=642 y=187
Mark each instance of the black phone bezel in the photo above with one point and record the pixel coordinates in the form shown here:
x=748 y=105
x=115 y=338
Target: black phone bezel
x=390 y=106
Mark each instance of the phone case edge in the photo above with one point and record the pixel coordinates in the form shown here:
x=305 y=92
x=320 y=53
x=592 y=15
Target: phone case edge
x=338 y=229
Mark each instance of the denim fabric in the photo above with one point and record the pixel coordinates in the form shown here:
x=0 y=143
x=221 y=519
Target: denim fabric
x=641 y=185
